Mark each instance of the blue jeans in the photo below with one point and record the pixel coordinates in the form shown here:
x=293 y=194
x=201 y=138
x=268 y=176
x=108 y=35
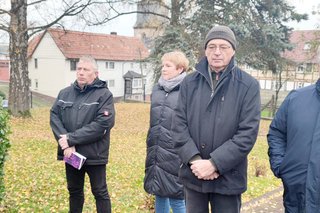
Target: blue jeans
x=163 y=204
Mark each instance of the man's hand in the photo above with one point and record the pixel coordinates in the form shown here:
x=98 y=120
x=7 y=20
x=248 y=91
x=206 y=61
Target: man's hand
x=63 y=142
x=204 y=169
x=68 y=151
x=213 y=176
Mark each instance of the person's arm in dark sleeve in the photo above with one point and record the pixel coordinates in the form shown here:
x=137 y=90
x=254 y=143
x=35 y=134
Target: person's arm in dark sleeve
x=183 y=143
x=236 y=149
x=277 y=137
x=56 y=121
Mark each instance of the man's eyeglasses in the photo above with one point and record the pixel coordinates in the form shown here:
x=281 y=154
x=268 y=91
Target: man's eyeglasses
x=222 y=48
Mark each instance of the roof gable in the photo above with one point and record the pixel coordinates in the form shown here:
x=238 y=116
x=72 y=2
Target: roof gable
x=33 y=44
x=301 y=39
x=132 y=74
x=74 y=44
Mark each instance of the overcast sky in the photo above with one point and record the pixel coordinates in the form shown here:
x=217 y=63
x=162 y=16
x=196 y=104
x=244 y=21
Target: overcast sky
x=124 y=25
x=306 y=6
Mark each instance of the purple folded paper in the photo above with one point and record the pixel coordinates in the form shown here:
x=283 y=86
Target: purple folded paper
x=76 y=160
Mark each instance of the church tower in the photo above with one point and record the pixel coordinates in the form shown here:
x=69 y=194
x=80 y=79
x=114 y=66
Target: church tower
x=149 y=26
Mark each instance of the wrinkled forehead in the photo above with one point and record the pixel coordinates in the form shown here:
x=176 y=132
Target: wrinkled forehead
x=218 y=41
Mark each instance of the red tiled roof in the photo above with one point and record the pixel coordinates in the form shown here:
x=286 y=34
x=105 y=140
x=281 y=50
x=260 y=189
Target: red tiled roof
x=33 y=43
x=299 y=39
x=74 y=44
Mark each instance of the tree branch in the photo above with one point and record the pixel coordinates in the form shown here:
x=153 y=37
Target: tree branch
x=105 y=20
x=4 y=28
x=72 y=10
x=2 y=11
x=36 y=2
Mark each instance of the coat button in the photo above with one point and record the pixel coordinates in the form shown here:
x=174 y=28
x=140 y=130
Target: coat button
x=203 y=146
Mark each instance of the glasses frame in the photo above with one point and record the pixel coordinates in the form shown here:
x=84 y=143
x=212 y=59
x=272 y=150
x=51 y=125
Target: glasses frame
x=221 y=47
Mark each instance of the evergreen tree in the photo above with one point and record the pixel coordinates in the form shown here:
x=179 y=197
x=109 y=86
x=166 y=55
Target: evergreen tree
x=174 y=38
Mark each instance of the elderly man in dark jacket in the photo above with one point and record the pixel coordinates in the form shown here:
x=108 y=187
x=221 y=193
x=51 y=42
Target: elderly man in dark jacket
x=215 y=127
x=294 y=149
x=81 y=119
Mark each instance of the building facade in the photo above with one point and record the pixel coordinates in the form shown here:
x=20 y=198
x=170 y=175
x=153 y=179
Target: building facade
x=302 y=68
x=53 y=56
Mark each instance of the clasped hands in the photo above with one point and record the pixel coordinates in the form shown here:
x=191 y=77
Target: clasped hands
x=63 y=143
x=204 y=169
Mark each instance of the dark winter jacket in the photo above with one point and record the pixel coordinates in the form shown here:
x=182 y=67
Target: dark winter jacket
x=162 y=162
x=218 y=123
x=294 y=149
x=86 y=116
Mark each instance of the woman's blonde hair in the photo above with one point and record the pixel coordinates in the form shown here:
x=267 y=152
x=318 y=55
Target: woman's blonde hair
x=178 y=58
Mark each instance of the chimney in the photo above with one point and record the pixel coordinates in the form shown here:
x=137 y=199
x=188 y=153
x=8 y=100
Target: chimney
x=113 y=33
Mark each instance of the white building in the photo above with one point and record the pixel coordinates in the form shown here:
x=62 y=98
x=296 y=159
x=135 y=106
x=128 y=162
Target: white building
x=53 y=55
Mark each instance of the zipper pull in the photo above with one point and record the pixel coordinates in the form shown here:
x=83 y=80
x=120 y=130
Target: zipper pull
x=167 y=94
x=212 y=92
x=222 y=99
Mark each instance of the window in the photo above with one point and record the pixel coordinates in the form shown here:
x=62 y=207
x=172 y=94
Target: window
x=306 y=67
x=36 y=83
x=300 y=68
x=109 y=65
x=73 y=64
x=137 y=83
x=36 y=63
x=110 y=83
x=290 y=85
x=268 y=84
x=307 y=46
x=262 y=84
x=299 y=85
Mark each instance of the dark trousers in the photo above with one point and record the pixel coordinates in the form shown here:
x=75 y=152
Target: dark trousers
x=198 y=202
x=75 y=181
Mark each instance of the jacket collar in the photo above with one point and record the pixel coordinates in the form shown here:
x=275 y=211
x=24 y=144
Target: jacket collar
x=202 y=68
x=97 y=83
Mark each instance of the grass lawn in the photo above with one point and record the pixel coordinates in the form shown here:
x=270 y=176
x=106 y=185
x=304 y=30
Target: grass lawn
x=35 y=181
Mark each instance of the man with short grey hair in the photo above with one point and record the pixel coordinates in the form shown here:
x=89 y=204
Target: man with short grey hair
x=215 y=127
x=81 y=119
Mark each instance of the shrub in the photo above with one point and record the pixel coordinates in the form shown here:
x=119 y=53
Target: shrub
x=4 y=146
x=2 y=95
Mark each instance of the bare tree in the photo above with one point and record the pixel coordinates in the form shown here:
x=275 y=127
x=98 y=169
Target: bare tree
x=14 y=22
x=46 y=13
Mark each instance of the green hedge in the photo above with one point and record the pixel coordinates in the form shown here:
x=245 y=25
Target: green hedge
x=2 y=95
x=4 y=146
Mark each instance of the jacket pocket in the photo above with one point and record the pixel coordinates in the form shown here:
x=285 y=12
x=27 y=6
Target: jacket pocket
x=88 y=111
x=64 y=104
x=65 y=108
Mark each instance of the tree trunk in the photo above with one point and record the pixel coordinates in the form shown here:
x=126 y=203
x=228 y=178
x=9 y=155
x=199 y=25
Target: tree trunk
x=175 y=12
x=19 y=92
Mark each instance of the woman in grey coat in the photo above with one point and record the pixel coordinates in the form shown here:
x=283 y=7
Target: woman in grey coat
x=162 y=161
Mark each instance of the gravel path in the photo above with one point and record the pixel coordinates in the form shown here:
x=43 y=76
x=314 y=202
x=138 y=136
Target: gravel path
x=268 y=203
